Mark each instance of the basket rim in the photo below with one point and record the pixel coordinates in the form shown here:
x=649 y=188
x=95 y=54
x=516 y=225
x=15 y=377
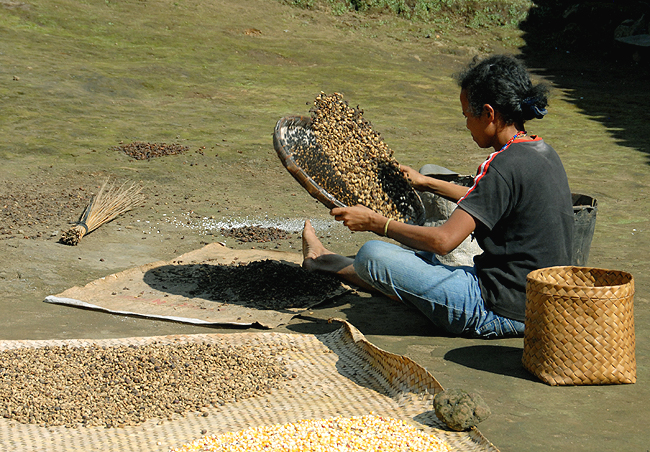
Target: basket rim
x=534 y=276
x=299 y=174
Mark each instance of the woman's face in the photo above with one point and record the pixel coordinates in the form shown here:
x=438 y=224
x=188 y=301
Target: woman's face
x=477 y=125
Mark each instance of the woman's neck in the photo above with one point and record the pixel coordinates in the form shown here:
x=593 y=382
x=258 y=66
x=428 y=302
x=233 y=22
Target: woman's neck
x=504 y=135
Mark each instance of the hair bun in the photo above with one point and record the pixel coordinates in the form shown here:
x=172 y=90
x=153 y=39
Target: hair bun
x=530 y=109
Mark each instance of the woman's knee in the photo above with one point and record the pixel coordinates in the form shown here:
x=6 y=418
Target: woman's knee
x=367 y=258
x=386 y=266
x=371 y=250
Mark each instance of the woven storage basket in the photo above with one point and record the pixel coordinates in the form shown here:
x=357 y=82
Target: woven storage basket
x=580 y=326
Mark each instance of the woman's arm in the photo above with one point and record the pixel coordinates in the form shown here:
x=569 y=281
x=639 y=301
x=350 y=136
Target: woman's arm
x=448 y=190
x=438 y=239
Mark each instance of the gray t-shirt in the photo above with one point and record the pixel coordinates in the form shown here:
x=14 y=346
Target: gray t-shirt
x=522 y=203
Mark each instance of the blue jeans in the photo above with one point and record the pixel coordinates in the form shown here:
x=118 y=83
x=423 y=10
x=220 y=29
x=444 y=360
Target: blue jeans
x=449 y=296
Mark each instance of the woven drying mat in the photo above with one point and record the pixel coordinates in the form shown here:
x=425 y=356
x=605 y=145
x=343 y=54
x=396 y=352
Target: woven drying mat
x=338 y=374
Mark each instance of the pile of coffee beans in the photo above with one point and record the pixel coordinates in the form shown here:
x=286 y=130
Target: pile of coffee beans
x=126 y=385
x=140 y=150
x=257 y=234
x=266 y=284
x=352 y=162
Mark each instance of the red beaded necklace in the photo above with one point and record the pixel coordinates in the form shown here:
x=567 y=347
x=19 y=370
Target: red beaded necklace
x=519 y=134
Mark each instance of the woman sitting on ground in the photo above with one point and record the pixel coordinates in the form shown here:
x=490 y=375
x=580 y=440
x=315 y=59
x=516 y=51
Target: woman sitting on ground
x=519 y=210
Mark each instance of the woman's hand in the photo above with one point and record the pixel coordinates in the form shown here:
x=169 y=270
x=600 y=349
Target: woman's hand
x=417 y=180
x=448 y=190
x=359 y=218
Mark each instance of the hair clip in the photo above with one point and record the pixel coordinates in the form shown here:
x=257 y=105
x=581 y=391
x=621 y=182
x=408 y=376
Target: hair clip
x=538 y=113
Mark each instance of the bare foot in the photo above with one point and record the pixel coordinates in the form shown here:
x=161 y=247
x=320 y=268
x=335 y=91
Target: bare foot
x=312 y=248
x=318 y=258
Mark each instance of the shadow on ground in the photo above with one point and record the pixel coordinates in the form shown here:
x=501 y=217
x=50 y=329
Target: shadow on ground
x=372 y=315
x=605 y=78
x=496 y=359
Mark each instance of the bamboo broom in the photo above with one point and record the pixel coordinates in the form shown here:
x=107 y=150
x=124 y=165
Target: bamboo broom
x=109 y=202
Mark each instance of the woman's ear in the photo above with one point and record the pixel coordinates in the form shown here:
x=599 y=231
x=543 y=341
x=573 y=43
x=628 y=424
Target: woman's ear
x=489 y=111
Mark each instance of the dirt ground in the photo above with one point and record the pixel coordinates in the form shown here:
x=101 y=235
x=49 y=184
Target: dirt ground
x=56 y=154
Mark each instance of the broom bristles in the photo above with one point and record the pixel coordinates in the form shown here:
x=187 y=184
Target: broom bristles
x=109 y=202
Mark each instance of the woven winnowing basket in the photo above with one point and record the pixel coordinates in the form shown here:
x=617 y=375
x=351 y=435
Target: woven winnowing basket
x=580 y=326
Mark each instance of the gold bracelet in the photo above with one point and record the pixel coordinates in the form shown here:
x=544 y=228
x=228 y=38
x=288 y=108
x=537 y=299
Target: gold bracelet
x=386 y=227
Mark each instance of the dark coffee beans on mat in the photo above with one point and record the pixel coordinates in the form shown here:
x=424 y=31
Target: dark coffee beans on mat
x=264 y=284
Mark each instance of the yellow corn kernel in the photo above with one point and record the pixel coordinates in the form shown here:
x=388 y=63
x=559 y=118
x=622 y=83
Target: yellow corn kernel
x=362 y=433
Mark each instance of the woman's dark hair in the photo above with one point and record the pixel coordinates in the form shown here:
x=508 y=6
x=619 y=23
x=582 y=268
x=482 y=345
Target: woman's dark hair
x=503 y=82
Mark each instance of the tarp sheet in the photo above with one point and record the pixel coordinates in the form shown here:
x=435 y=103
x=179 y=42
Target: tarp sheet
x=156 y=291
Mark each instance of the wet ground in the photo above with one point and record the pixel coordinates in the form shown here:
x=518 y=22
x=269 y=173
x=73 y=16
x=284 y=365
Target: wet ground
x=61 y=125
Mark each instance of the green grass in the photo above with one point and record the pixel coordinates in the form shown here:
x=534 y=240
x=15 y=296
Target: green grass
x=92 y=74
x=83 y=76
x=470 y=13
